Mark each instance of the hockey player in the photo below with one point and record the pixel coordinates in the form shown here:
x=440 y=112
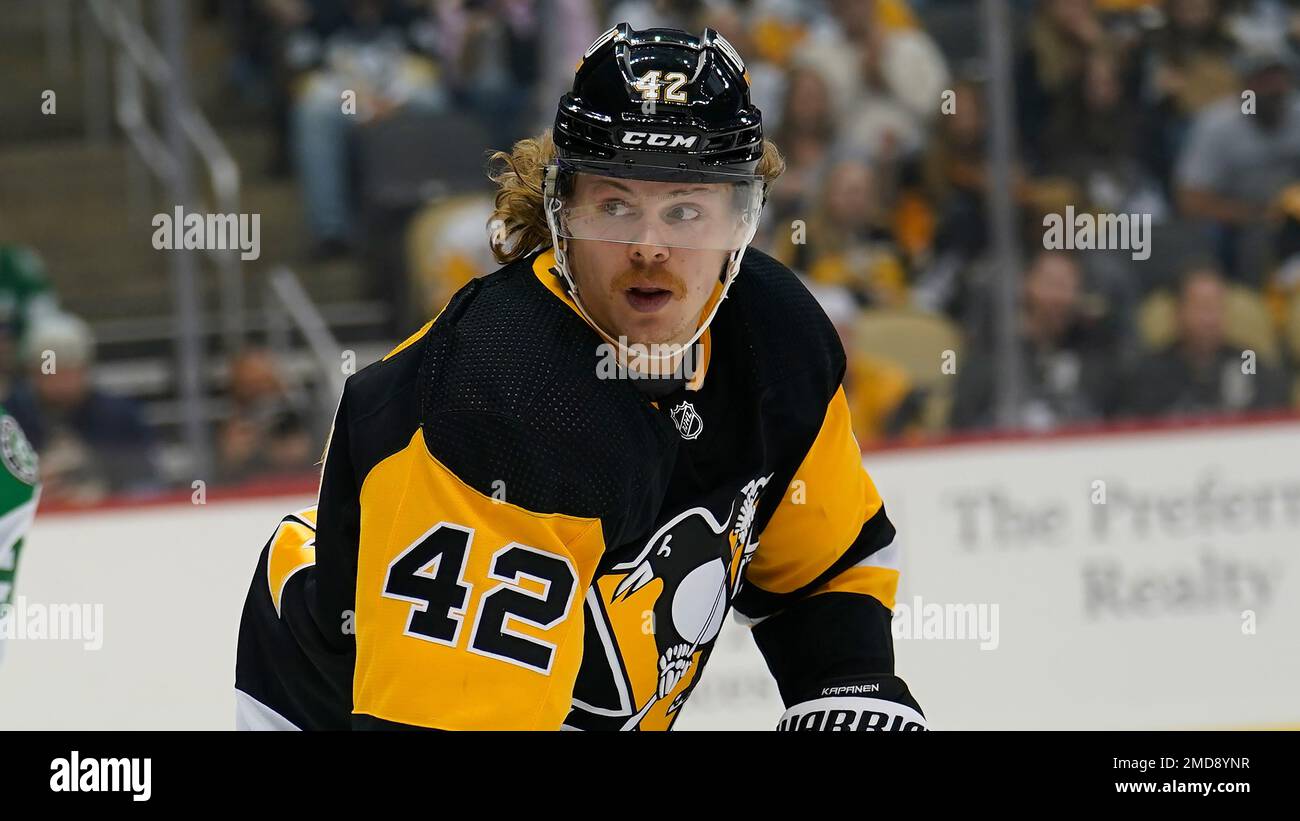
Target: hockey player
x=536 y=511
x=20 y=490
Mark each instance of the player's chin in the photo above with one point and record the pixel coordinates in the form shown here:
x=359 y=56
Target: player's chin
x=651 y=329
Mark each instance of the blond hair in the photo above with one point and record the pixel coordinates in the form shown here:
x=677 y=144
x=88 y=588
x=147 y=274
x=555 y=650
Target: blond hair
x=518 y=224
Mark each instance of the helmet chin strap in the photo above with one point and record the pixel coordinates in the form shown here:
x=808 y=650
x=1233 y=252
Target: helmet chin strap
x=729 y=273
x=730 y=270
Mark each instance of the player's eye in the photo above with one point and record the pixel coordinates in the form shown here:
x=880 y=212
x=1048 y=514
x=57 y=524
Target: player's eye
x=683 y=213
x=615 y=208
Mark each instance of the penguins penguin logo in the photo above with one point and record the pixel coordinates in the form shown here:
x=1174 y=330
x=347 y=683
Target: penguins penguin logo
x=689 y=612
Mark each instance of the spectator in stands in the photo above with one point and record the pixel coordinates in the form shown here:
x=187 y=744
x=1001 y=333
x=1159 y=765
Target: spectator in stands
x=805 y=135
x=571 y=26
x=1187 y=66
x=1061 y=33
x=25 y=295
x=886 y=73
x=846 y=241
x=1235 y=162
x=91 y=442
x=955 y=169
x=883 y=401
x=1094 y=147
x=955 y=175
x=445 y=250
x=1094 y=139
x=265 y=433
x=490 y=50
x=1067 y=363
x=359 y=63
x=1200 y=372
x=262 y=67
x=1270 y=23
x=1282 y=291
x=767 y=66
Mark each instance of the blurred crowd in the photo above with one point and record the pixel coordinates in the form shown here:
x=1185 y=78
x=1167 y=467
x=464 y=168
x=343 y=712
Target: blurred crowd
x=95 y=441
x=1182 y=113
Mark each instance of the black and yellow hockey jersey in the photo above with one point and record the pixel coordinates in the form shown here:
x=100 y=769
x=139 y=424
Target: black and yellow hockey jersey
x=505 y=540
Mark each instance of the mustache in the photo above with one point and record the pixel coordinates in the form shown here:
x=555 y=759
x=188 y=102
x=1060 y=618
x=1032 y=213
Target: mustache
x=651 y=278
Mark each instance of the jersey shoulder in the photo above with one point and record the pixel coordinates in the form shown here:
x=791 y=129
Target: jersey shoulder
x=376 y=415
x=782 y=328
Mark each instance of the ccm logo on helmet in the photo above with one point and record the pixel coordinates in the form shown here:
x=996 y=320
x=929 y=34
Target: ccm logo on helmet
x=659 y=140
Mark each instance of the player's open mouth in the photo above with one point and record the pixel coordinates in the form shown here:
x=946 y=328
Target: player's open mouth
x=647 y=299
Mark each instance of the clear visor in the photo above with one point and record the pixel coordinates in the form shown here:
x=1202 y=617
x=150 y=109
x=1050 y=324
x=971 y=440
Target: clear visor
x=701 y=210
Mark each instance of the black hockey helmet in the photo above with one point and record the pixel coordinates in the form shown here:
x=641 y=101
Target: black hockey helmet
x=660 y=99
x=657 y=106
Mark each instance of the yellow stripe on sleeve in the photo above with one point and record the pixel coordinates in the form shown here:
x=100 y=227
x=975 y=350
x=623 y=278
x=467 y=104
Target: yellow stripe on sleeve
x=823 y=511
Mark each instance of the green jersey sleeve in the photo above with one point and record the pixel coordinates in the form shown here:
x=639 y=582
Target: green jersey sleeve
x=19 y=492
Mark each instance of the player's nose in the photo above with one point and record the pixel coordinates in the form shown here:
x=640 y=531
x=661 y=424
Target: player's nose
x=646 y=252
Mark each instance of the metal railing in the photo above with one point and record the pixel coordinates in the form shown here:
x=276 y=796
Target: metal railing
x=136 y=57
x=143 y=72
x=287 y=302
x=114 y=25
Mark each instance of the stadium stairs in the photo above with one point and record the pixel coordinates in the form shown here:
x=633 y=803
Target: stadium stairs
x=82 y=208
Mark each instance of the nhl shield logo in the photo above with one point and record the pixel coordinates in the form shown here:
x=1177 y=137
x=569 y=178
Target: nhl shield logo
x=688 y=422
